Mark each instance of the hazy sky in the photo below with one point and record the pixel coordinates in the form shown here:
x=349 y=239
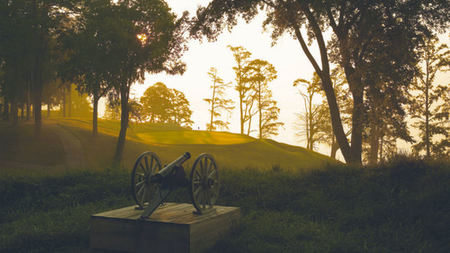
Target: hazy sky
x=286 y=56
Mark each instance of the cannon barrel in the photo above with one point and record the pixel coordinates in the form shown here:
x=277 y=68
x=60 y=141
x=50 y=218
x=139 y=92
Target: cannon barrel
x=169 y=168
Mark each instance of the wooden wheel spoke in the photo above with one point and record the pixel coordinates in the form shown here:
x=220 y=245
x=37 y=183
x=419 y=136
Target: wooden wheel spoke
x=151 y=166
x=146 y=164
x=205 y=169
x=140 y=183
x=197 y=173
x=197 y=191
x=210 y=166
x=142 y=166
x=140 y=190
x=212 y=173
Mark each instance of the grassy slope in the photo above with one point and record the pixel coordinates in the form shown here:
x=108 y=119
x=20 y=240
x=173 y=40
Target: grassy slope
x=401 y=208
x=19 y=144
x=230 y=150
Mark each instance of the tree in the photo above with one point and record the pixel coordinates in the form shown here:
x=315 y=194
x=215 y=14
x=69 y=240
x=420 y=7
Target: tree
x=156 y=103
x=29 y=30
x=217 y=102
x=312 y=118
x=430 y=102
x=345 y=103
x=360 y=30
x=112 y=110
x=181 y=112
x=260 y=73
x=86 y=51
x=242 y=58
x=163 y=105
x=138 y=37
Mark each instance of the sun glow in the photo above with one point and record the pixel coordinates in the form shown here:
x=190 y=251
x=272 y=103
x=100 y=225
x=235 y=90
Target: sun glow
x=142 y=37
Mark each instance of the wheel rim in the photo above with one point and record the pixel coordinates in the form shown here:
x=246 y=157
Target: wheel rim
x=146 y=165
x=204 y=185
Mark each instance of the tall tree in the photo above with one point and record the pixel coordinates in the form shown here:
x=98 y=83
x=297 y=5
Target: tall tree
x=394 y=26
x=260 y=73
x=140 y=37
x=86 y=50
x=242 y=58
x=312 y=118
x=430 y=102
x=217 y=102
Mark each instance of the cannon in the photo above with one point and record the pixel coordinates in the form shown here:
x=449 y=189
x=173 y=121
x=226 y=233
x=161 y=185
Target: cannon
x=151 y=184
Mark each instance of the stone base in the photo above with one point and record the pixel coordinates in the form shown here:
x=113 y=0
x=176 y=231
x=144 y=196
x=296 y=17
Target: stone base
x=172 y=227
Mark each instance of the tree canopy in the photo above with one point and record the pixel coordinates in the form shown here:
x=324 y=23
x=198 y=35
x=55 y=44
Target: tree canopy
x=375 y=37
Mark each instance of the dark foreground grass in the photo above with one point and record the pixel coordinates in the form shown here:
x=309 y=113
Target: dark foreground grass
x=400 y=208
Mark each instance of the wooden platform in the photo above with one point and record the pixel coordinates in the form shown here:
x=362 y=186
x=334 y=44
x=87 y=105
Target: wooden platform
x=171 y=228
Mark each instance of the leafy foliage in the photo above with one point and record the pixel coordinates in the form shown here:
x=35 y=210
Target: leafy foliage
x=163 y=105
x=431 y=106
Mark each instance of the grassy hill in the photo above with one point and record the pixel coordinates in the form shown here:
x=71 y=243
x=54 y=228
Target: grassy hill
x=402 y=207
x=52 y=150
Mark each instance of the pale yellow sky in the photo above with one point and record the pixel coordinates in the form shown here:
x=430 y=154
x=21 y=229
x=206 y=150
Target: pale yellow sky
x=286 y=56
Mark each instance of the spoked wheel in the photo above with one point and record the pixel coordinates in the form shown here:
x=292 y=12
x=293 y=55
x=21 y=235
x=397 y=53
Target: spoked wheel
x=147 y=164
x=204 y=183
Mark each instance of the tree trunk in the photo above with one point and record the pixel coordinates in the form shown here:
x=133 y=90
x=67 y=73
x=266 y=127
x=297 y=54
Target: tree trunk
x=249 y=126
x=69 y=102
x=14 y=112
x=22 y=111
x=124 y=91
x=28 y=110
x=260 y=111
x=95 y=115
x=241 y=111
x=357 y=125
x=64 y=102
x=28 y=100
x=48 y=109
x=310 y=120
x=327 y=86
x=37 y=101
x=212 y=107
x=427 y=118
x=336 y=122
x=381 y=148
x=334 y=147
x=6 y=110
x=374 y=143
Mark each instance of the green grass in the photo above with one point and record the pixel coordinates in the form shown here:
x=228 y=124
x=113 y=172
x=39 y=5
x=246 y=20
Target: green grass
x=399 y=208
x=169 y=142
x=19 y=144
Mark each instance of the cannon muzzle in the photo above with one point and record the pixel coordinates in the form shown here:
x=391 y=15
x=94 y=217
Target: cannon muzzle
x=170 y=167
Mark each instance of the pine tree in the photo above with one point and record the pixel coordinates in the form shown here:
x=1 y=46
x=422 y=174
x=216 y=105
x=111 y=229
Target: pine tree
x=218 y=104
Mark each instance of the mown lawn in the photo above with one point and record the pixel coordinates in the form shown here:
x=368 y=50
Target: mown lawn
x=400 y=208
